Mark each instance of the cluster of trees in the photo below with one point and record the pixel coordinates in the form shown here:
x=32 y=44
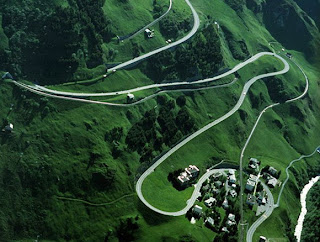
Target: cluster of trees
x=201 y=57
x=157 y=9
x=277 y=89
x=114 y=137
x=171 y=28
x=154 y=130
x=238 y=48
x=126 y=230
x=49 y=42
x=236 y=5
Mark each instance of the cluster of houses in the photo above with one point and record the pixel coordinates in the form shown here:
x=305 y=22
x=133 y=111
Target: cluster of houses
x=188 y=175
x=231 y=221
x=270 y=177
x=269 y=173
x=211 y=192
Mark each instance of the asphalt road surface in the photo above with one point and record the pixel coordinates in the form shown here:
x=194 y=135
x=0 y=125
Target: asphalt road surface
x=263 y=217
x=233 y=70
x=196 y=193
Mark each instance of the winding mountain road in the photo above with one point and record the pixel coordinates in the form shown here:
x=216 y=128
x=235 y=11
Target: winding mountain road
x=288 y=175
x=196 y=193
x=233 y=70
x=270 y=208
x=263 y=217
x=75 y=97
x=39 y=92
x=200 y=131
x=196 y=24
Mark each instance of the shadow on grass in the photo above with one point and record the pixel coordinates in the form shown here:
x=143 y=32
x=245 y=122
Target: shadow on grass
x=151 y=217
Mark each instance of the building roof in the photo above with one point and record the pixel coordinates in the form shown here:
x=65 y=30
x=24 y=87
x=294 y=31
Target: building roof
x=253 y=178
x=216 y=174
x=191 y=170
x=250 y=199
x=209 y=201
x=231 y=171
x=9 y=127
x=262 y=239
x=209 y=220
x=230 y=223
x=254 y=161
x=225 y=229
x=197 y=209
x=225 y=203
x=130 y=96
x=250 y=184
x=272 y=181
x=232 y=217
x=233 y=193
x=147 y=31
x=183 y=179
x=7 y=75
x=272 y=170
x=232 y=178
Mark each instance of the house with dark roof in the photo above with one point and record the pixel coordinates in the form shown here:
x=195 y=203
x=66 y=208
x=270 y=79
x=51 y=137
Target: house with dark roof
x=209 y=221
x=272 y=182
x=210 y=201
x=251 y=200
x=251 y=182
x=8 y=128
x=272 y=171
x=7 y=75
x=197 y=210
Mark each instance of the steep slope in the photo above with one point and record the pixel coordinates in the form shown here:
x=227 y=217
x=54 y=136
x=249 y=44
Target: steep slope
x=288 y=21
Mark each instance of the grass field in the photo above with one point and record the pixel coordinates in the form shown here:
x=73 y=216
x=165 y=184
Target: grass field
x=137 y=14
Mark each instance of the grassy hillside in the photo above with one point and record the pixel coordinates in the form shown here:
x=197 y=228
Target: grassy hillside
x=63 y=150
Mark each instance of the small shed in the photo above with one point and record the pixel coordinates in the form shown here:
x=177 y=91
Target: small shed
x=130 y=97
x=9 y=128
x=7 y=75
x=149 y=33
